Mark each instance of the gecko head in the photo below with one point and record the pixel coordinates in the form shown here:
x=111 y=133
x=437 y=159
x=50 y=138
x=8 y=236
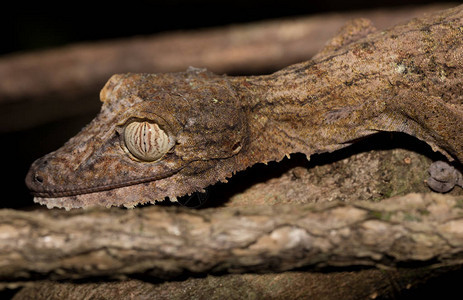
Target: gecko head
x=156 y=136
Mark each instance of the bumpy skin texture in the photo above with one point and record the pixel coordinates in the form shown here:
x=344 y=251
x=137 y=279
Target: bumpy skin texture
x=407 y=79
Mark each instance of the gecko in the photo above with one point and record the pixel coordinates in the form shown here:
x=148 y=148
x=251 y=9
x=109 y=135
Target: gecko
x=173 y=134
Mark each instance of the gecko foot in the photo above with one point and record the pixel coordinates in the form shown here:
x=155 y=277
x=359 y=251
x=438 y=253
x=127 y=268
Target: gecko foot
x=443 y=177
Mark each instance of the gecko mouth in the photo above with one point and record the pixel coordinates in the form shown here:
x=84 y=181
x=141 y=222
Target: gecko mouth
x=36 y=184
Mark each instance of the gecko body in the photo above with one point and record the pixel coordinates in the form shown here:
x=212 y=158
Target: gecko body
x=167 y=135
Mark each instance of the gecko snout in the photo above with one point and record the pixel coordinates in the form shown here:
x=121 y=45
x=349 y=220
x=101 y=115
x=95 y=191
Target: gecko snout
x=36 y=179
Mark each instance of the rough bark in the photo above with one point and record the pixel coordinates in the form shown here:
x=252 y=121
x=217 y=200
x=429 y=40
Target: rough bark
x=66 y=81
x=413 y=230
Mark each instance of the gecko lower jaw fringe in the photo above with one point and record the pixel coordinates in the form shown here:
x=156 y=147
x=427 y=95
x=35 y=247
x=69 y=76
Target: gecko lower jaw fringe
x=195 y=200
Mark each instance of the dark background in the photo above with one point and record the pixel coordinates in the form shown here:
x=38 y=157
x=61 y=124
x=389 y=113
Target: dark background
x=36 y=25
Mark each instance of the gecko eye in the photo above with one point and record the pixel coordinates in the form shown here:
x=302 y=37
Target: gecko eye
x=146 y=141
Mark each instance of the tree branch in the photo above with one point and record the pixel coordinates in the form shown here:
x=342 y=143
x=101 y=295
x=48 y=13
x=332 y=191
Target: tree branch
x=423 y=229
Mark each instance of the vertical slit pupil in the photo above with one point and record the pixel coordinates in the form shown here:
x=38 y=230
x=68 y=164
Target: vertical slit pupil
x=145 y=126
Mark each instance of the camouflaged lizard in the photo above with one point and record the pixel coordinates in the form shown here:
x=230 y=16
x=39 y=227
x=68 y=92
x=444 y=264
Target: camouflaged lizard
x=167 y=135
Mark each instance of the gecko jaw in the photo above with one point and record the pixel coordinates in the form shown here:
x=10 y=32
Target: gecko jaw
x=130 y=196
x=34 y=185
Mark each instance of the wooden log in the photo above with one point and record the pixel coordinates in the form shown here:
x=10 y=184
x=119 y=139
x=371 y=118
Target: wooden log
x=413 y=230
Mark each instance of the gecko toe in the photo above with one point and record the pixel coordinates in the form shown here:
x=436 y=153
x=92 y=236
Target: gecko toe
x=443 y=177
x=440 y=186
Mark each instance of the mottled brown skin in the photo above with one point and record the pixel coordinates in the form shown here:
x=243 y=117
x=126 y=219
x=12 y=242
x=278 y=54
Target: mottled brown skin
x=407 y=79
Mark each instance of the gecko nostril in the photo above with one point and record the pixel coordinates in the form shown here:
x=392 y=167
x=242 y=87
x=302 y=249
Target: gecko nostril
x=38 y=178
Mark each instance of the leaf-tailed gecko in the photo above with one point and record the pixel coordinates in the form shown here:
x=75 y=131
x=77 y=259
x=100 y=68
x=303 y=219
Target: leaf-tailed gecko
x=167 y=135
